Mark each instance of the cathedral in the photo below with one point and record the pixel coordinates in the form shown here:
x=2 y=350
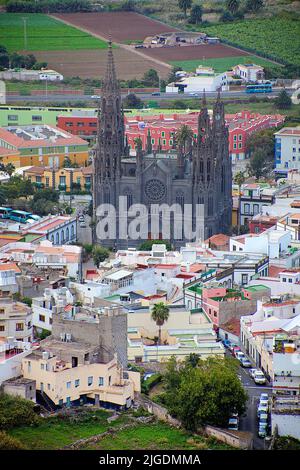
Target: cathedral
x=195 y=173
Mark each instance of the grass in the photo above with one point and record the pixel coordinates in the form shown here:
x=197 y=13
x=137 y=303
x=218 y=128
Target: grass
x=222 y=64
x=54 y=433
x=155 y=436
x=43 y=34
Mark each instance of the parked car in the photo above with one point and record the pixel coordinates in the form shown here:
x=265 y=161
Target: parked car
x=264 y=403
x=193 y=94
x=262 y=430
x=264 y=396
x=233 y=424
x=252 y=372
x=262 y=410
x=96 y=97
x=259 y=378
x=235 y=350
x=232 y=346
x=156 y=93
x=245 y=362
x=139 y=46
x=82 y=224
x=239 y=355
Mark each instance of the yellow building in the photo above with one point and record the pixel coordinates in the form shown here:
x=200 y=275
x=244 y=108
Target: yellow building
x=41 y=145
x=65 y=179
x=65 y=384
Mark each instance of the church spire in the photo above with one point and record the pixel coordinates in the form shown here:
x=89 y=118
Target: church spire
x=110 y=82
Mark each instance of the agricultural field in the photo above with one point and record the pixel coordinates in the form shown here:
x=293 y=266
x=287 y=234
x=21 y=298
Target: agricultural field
x=277 y=38
x=199 y=52
x=43 y=34
x=222 y=64
x=92 y=63
x=120 y=26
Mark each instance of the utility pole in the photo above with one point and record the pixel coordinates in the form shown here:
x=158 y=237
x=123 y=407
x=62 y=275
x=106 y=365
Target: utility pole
x=25 y=31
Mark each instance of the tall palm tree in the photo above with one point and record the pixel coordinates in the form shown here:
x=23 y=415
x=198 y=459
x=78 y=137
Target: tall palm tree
x=239 y=179
x=184 y=137
x=160 y=314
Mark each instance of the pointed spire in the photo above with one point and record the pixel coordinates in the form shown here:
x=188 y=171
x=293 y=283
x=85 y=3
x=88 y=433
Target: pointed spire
x=149 y=143
x=110 y=82
x=204 y=104
x=219 y=94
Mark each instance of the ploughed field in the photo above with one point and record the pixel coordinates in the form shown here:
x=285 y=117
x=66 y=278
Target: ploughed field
x=201 y=51
x=120 y=26
x=92 y=63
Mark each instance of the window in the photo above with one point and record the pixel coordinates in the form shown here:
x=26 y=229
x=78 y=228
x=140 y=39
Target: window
x=234 y=146
x=244 y=279
x=42 y=318
x=19 y=326
x=163 y=134
x=101 y=381
x=90 y=381
x=36 y=118
x=284 y=279
x=68 y=384
x=234 y=137
x=12 y=117
x=47 y=181
x=77 y=383
x=247 y=208
x=2 y=328
x=290 y=280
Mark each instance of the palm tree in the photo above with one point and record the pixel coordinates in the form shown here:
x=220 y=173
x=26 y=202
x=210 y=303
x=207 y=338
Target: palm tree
x=239 y=179
x=184 y=137
x=160 y=314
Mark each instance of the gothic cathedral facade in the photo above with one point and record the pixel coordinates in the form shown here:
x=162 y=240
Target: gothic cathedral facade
x=200 y=176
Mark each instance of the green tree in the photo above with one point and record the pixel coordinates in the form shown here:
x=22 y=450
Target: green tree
x=99 y=254
x=151 y=78
x=184 y=137
x=232 y=6
x=283 y=100
x=15 y=411
x=185 y=5
x=239 y=179
x=160 y=314
x=205 y=394
x=9 y=168
x=258 y=165
x=132 y=101
x=147 y=245
x=254 y=5
x=196 y=14
x=172 y=76
x=48 y=193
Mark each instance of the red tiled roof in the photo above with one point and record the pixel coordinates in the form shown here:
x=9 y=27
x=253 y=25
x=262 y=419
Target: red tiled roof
x=274 y=270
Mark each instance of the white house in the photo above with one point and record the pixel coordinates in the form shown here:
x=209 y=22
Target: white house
x=11 y=354
x=273 y=243
x=53 y=301
x=249 y=72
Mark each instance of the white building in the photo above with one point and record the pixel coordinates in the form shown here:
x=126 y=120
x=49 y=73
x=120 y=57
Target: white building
x=273 y=243
x=59 y=229
x=11 y=354
x=208 y=82
x=15 y=320
x=287 y=148
x=53 y=301
x=249 y=72
x=28 y=75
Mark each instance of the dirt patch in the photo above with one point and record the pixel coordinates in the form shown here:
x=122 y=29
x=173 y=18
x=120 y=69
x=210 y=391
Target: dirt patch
x=120 y=26
x=206 y=51
x=92 y=63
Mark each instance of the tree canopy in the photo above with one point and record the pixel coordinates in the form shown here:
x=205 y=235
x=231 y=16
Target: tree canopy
x=99 y=254
x=202 y=393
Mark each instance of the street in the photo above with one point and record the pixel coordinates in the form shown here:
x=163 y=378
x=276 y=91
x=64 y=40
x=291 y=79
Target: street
x=143 y=96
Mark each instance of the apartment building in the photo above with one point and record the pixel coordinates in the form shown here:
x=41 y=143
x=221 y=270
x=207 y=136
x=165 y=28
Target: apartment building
x=15 y=320
x=62 y=179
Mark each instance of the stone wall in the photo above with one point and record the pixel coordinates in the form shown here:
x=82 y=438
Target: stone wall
x=238 y=439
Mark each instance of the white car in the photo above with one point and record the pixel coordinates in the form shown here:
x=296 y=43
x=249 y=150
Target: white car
x=96 y=97
x=262 y=410
x=240 y=355
x=82 y=224
x=252 y=372
x=264 y=396
x=259 y=378
x=264 y=403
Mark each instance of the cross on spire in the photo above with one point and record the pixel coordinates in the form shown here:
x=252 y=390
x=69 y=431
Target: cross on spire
x=110 y=82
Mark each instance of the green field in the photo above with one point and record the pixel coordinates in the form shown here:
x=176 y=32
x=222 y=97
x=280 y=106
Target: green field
x=43 y=34
x=276 y=37
x=222 y=64
x=154 y=436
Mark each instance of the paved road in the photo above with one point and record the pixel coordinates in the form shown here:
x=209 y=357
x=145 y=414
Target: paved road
x=143 y=96
x=250 y=422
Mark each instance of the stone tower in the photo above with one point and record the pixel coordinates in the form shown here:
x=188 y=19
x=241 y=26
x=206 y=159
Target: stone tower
x=199 y=173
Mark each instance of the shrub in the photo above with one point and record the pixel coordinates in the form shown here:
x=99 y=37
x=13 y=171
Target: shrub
x=9 y=443
x=15 y=411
